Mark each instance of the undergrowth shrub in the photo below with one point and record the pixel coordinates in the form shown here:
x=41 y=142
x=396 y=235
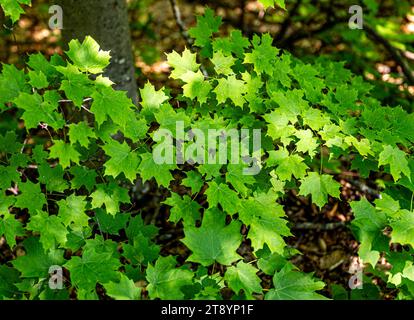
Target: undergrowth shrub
x=72 y=150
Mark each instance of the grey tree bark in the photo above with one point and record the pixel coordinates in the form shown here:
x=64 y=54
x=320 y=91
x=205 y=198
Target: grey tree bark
x=107 y=22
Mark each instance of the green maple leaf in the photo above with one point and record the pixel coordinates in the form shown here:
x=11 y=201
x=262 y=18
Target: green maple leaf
x=36 y=262
x=81 y=132
x=168 y=118
x=264 y=217
x=331 y=133
x=253 y=96
x=100 y=245
x=236 y=177
x=136 y=129
x=196 y=86
x=183 y=208
x=315 y=119
x=182 y=63
x=51 y=228
x=272 y=3
x=210 y=171
x=8 y=175
x=223 y=63
x=52 y=177
x=363 y=146
x=223 y=195
x=278 y=128
x=294 y=285
x=214 y=240
x=403 y=228
x=206 y=26
x=19 y=160
x=136 y=227
x=109 y=195
x=38 y=79
x=83 y=177
x=111 y=223
x=88 y=56
x=8 y=278
x=39 y=155
x=92 y=268
x=367 y=225
x=193 y=181
x=165 y=281
x=397 y=160
x=11 y=228
x=243 y=277
x=235 y=43
x=346 y=97
x=278 y=186
x=307 y=143
x=402 y=267
x=123 y=160
x=38 y=110
x=320 y=187
x=112 y=104
x=31 y=197
x=335 y=73
x=72 y=212
x=287 y=165
x=12 y=84
x=231 y=88
x=151 y=100
x=149 y=169
x=141 y=251
x=39 y=63
x=291 y=104
x=124 y=289
x=9 y=142
x=13 y=9
x=270 y=262
x=388 y=205
x=65 y=152
x=77 y=85
x=263 y=55
x=283 y=70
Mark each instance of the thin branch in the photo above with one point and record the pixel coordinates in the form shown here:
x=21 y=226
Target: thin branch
x=363 y=187
x=86 y=109
x=394 y=52
x=70 y=101
x=371 y=32
x=242 y=15
x=318 y=226
x=287 y=22
x=296 y=36
x=180 y=23
x=82 y=106
x=183 y=30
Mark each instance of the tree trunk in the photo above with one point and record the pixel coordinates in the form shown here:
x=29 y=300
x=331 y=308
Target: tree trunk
x=107 y=22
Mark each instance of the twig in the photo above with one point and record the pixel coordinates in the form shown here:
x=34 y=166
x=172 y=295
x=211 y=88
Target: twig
x=318 y=226
x=180 y=23
x=82 y=106
x=86 y=109
x=299 y=35
x=242 y=15
x=70 y=101
x=183 y=30
x=372 y=33
x=394 y=52
x=286 y=23
x=24 y=145
x=364 y=188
